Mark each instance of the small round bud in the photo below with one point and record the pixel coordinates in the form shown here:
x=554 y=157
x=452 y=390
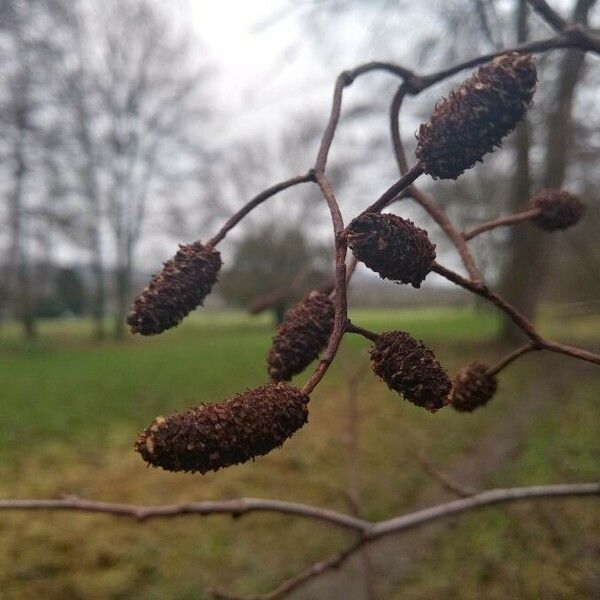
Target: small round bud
x=472 y=387
x=473 y=119
x=410 y=368
x=392 y=246
x=301 y=337
x=182 y=286
x=212 y=436
x=558 y=209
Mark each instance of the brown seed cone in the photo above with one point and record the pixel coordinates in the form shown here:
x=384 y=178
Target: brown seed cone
x=212 y=436
x=473 y=119
x=182 y=286
x=559 y=209
x=472 y=387
x=392 y=246
x=301 y=337
x=410 y=368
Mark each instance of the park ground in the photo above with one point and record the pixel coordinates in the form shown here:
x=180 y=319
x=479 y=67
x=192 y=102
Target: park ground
x=70 y=410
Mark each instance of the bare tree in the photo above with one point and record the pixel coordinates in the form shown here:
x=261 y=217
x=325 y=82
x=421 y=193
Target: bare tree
x=135 y=113
x=28 y=56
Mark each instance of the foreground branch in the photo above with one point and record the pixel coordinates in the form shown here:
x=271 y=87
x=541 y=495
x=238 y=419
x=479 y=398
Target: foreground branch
x=416 y=519
x=367 y=531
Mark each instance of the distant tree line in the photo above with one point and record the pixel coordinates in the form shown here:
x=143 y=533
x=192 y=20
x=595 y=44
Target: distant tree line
x=100 y=118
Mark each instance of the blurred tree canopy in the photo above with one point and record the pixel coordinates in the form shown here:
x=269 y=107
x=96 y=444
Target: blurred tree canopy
x=272 y=268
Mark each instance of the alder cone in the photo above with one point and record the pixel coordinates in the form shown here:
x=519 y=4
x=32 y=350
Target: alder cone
x=559 y=209
x=392 y=246
x=182 y=286
x=473 y=119
x=301 y=337
x=212 y=436
x=410 y=368
x=472 y=387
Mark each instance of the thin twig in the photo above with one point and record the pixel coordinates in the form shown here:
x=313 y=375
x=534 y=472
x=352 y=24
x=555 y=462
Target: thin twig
x=549 y=14
x=482 y=290
x=501 y=222
x=509 y=358
x=352 y=328
x=340 y=300
x=256 y=201
x=395 y=189
x=310 y=573
x=519 y=319
x=572 y=351
x=235 y=508
x=445 y=482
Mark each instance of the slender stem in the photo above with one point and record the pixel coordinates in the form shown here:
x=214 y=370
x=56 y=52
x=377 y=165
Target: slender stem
x=235 y=508
x=509 y=358
x=293 y=583
x=256 y=201
x=394 y=190
x=560 y=42
x=343 y=80
x=334 y=117
x=538 y=343
x=434 y=210
x=549 y=14
x=426 y=201
x=487 y=498
x=370 y=335
x=444 y=481
x=501 y=222
x=482 y=290
x=340 y=300
x=579 y=353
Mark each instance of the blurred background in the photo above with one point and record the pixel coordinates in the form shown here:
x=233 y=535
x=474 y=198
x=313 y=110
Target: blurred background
x=129 y=126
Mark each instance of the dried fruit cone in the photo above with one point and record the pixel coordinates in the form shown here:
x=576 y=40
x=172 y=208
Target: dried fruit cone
x=410 y=368
x=559 y=209
x=472 y=387
x=392 y=246
x=473 y=119
x=182 y=286
x=212 y=436
x=301 y=337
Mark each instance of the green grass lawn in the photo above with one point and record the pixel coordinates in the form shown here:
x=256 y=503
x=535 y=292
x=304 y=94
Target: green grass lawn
x=71 y=410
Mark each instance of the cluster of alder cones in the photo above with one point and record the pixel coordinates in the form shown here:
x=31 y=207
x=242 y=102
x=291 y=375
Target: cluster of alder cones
x=463 y=127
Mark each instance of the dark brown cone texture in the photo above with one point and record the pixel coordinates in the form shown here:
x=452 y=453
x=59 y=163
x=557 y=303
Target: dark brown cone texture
x=212 y=436
x=559 y=209
x=410 y=368
x=392 y=246
x=301 y=337
x=472 y=387
x=473 y=119
x=182 y=286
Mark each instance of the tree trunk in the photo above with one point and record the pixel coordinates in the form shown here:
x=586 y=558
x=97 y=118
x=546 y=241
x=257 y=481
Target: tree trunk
x=515 y=280
x=123 y=274
x=529 y=249
x=20 y=284
x=99 y=299
x=122 y=279
x=279 y=309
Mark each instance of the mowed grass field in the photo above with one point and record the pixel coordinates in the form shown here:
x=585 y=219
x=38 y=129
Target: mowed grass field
x=70 y=410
